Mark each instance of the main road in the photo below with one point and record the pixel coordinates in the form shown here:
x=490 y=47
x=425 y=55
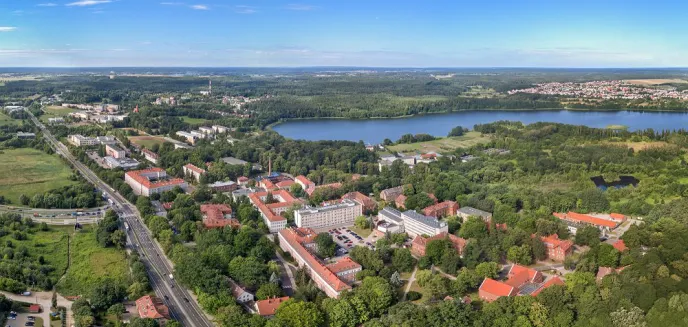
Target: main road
x=182 y=305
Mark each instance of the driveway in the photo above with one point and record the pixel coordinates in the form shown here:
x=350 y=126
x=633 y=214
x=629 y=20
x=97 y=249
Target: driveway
x=45 y=300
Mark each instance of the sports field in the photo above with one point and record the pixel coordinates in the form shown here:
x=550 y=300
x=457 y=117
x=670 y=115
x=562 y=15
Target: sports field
x=193 y=121
x=147 y=141
x=7 y=120
x=30 y=171
x=55 y=111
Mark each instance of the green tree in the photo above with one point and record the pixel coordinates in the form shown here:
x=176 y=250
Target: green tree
x=520 y=254
x=362 y=222
x=299 y=314
x=487 y=270
x=456 y=131
x=474 y=227
x=268 y=290
x=588 y=235
x=326 y=245
x=402 y=260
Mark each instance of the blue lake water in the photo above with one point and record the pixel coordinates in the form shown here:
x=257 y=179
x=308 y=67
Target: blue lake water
x=376 y=130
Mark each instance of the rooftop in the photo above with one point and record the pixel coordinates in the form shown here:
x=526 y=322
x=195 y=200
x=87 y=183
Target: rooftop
x=346 y=203
x=152 y=307
x=581 y=218
x=475 y=212
x=497 y=288
x=426 y=220
x=195 y=169
x=269 y=307
x=391 y=214
x=139 y=177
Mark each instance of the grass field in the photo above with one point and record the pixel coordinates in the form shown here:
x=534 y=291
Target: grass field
x=92 y=264
x=55 y=111
x=52 y=245
x=360 y=232
x=637 y=146
x=446 y=144
x=30 y=171
x=190 y=120
x=7 y=120
x=147 y=141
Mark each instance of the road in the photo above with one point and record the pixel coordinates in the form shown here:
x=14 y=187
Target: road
x=182 y=305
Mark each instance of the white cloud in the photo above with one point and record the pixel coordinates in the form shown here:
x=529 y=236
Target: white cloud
x=241 y=9
x=7 y=28
x=200 y=7
x=300 y=7
x=48 y=4
x=84 y=3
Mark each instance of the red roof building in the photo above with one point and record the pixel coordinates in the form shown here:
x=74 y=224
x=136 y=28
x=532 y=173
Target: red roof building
x=242 y=180
x=153 y=180
x=271 y=212
x=195 y=172
x=267 y=308
x=367 y=203
x=218 y=216
x=304 y=182
x=617 y=216
x=35 y=308
x=518 y=278
x=400 y=201
x=551 y=282
x=442 y=209
x=285 y=184
x=587 y=219
x=491 y=290
x=152 y=307
x=312 y=190
x=557 y=249
x=620 y=246
x=267 y=184
x=419 y=243
x=604 y=271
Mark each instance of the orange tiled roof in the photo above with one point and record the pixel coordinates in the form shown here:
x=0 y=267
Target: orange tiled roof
x=552 y=281
x=617 y=216
x=519 y=275
x=269 y=307
x=151 y=307
x=312 y=189
x=434 y=209
x=267 y=184
x=139 y=178
x=457 y=241
x=360 y=198
x=194 y=168
x=578 y=217
x=266 y=209
x=215 y=216
x=304 y=180
x=554 y=242
x=497 y=288
x=343 y=265
x=285 y=183
x=620 y=246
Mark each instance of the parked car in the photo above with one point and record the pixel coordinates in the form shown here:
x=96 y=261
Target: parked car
x=27 y=293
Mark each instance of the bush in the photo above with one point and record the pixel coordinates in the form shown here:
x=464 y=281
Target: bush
x=413 y=295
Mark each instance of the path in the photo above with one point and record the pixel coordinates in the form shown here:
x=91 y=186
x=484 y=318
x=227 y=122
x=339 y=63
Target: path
x=45 y=300
x=410 y=282
x=289 y=284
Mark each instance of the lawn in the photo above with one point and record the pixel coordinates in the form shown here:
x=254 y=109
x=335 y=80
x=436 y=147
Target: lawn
x=30 y=171
x=55 y=111
x=361 y=232
x=147 y=141
x=7 y=120
x=51 y=244
x=193 y=121
x=445 y=144
x=92 y=264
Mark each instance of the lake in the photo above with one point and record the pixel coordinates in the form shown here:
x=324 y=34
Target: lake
x=376 y=130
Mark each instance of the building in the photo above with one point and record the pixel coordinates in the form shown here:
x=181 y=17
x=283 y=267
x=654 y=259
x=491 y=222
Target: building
x=391 y=194
x=312 y=190
x=23 y=135
x=271 y=212
x=56 y=120
x=620 y=246
x=466 y=212
x=193 y=171
x=218 y=216
x=106 y=140
x=400 y=201
x=268 y=307
x=234 y=161
x=115 y=151
x=124 y=163
x=345 y=269
x=150 y=181
x=605 y=271
x=152 y=307
x=420 y=242
x=557 y=250
x=34 y=308
x=242 y=180
x=520 y=281
x=295 y=241
x=80 y=140
x=220 y=129
x=206 y=130
x=239 y=293
x=358 y=197
x=304 y=182
x=267 y=184
x=551 y=282
x=574 y=220
x=150 y=156
x=417 y=224
x=389 y=221
x=285 y=184
x=442 y=209
x=340 y=214
x=191 y=138
x=228 y=186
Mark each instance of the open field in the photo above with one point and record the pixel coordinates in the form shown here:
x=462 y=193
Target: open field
x=55 y=111
x=655 y=81
x=446 y=144
x=637 y=146
x=147 y=141
x=51 y=244
x=91 y=264
x=190 y=120
x=7 y=120
x=361 y=232
x=30 y=171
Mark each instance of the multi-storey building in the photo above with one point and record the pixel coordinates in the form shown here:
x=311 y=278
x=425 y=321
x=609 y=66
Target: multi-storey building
x=271 y=212
x=188 y=136
x=466 y=212
x=557 y=249
x=389 y=221
x=358 y=197
x=340 y=214
x=391 y=194
x=150 y=181
x=442 y=209
x=150 y=156
x=115 y=151
x=218 y=216
x=195 y=172
x=80 y=140
x=420 y=242
x=417 y=224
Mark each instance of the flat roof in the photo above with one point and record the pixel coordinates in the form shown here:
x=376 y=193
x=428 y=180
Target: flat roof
x=474 y=212
x=423 y=219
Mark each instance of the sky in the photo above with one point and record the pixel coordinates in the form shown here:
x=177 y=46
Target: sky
x=363 y=33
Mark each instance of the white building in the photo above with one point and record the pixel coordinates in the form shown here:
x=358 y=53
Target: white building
x=198 y=134
x=240 y=294
x=417 y=224
x=115 y=151
x=105 y=140
x=189 y=137
x=56 y=120
x=207 y=130
x=220 y=129
x=389 y=220
x=340 y=214
x=124 y=163
x=150 y=181
x=194 y=171
x=80 y=140
x=150 y=156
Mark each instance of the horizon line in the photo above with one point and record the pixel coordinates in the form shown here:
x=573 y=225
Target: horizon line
x=370 y=67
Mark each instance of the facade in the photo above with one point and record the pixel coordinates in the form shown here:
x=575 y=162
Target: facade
x=150 y=156
x=557 y=249
x=341 y=214
x=358 y=197
x=391 y=194
x=228 y=186
x=188 y=136
x=220 y=129
x=153 y=308
x=442 y=209
x=400 y=201
x=23 y=135
x=490 y=290
x=466 y=212
x=56 y=120
x=417 y=224
x=304 y=182
x=80 y=140
x=271 y=212
x=195 y=172
x=105 y=140
x=242 y=180
x=389 y=221
x=240 y=294
x=575 y=219
x=345 y=269
x=115 y=151
x=150 y=181
x=268 y=307
x=207 y=130
x=420 y=242
x=294 y=241
x=124 y=163
x=218 y=216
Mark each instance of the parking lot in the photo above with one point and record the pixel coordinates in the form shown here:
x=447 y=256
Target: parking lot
x=21 y=320
x=347 y=239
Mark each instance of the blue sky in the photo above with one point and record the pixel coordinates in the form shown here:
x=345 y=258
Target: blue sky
x=381 y=33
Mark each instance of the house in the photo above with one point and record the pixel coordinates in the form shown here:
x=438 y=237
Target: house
x=195 y=172
x=367 y=203
x=604 y=271
x=520 y=281
x=150 y=156
x=240 y=294
x=442 y=209
x=345 y=269
x=152 y=307
x=551 y=282
x=400 y=201
x=35 y=308
x=466 y=212
x=271 y=213
x=491 y=290
x=218 y=216
x=604 y=225
x=312 y=190
x=391 y=194
x=420 y=242
x=242 y=180
x=191 y=138
x=268 y=307
x=115 y=151
x=153 y=180
x=557 y=249
x=228 y=186
x=285 y=184
x=620 y=246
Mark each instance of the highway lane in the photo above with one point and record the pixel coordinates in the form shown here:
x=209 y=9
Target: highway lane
x=184 y=307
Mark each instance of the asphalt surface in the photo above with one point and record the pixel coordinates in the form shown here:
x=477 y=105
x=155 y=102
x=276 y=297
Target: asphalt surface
x=182 y=305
